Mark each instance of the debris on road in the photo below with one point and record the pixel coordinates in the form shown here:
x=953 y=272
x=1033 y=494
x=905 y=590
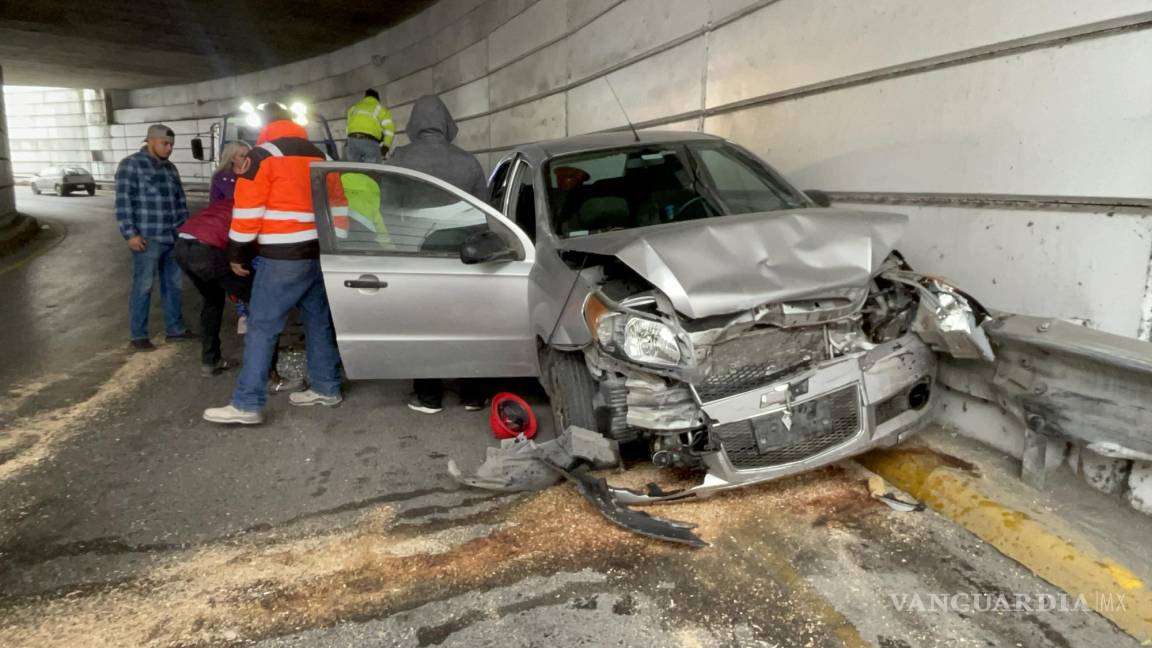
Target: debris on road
x=521 y=464
x=886 y=493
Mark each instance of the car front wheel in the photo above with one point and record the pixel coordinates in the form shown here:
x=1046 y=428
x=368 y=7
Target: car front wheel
x=91 y=190
x=35 y=190
x=60 y=190
x=571 y=388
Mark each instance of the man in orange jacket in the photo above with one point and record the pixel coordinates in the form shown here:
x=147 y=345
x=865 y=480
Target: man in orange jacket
x=273 y=213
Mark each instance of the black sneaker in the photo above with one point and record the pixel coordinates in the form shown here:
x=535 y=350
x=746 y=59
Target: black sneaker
x=417 y=405
x=186 y=335
x=143 y=344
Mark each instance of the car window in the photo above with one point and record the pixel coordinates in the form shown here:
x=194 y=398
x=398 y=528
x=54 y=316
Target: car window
x=396 y=214
x=645 y=185
x=742 y=189
x=75 y=171
x=603 y=191
x=522 y=204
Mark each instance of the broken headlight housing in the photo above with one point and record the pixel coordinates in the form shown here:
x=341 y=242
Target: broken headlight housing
x=638 y=338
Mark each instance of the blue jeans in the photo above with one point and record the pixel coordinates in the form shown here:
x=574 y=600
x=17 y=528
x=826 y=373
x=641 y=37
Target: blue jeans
x=279 y=287
x=156 y=258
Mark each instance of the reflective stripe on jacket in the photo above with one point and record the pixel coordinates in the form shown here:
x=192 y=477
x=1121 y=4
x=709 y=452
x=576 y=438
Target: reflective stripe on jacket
x=273 y=201
x=368 y=116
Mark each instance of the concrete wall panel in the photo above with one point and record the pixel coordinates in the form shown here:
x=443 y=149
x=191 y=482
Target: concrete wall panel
x=540 y=23
x=539 y=120
x=538 y=74
x=1037 y=262
x=653 y=88
x=468 y=100
x=792 y=44
x=631 y=28
x=1012 y=125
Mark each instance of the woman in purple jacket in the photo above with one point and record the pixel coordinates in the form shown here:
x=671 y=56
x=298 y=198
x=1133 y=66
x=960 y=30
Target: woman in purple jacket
x=233 y=160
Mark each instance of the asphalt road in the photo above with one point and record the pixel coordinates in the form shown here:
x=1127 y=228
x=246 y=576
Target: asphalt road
x=126 y=520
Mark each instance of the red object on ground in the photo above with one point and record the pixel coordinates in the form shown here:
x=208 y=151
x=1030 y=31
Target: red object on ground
x=511 y=417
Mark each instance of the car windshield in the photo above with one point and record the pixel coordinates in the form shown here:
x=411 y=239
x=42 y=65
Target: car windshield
x=75 y=171
x=646 y=185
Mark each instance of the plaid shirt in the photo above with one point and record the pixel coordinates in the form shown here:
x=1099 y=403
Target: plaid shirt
x=149 y=198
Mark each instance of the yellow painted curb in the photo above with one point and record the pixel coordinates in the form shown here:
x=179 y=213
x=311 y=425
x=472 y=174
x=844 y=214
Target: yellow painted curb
x=1070 y=564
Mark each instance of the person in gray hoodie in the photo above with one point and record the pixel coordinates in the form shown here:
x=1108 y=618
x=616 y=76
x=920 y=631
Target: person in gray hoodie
x=431 y=130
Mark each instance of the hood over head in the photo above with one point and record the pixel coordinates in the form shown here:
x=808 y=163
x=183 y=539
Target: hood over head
x=430 y=117
x=735 y=263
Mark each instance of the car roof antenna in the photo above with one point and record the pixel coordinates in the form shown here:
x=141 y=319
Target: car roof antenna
x=621 y=104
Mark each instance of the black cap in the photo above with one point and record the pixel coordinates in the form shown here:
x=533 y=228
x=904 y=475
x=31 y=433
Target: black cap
x=372 y=93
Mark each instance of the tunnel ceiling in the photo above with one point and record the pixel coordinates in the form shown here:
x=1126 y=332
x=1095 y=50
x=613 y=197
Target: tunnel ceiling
x=142 y=43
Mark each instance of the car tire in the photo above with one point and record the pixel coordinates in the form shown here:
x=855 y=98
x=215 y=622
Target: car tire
x=92 y=190
x=35 y=191
x=60 y=190
x=571 y=388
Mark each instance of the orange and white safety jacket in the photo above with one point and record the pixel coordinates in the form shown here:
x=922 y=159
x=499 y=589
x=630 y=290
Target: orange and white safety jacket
x=273 y=202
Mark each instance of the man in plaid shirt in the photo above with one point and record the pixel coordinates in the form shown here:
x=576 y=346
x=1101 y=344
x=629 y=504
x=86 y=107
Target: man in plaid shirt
x=150 y=205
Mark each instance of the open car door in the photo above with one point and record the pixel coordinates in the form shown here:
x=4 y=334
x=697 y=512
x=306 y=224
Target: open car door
x=404 y=303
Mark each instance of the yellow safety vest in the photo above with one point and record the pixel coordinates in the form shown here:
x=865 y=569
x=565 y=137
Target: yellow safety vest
x=368 y=116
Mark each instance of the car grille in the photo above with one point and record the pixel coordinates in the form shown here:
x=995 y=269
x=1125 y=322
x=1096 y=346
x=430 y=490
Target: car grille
x=758 y=358
x=818 y=425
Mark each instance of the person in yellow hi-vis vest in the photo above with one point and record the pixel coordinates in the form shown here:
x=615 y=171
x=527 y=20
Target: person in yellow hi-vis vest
x=370 y=130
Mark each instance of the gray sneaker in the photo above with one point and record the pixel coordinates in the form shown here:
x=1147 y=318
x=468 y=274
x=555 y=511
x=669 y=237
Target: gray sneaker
x=230 y=414
x=308 y=398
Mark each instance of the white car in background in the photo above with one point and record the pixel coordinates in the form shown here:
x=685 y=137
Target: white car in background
x=63 y=180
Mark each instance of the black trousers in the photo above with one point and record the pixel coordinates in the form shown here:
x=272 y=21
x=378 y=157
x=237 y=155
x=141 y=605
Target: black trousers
x=207 y=268
x=430 y=391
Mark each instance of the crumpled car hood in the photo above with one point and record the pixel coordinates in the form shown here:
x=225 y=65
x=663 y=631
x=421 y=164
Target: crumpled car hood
x=735 y=263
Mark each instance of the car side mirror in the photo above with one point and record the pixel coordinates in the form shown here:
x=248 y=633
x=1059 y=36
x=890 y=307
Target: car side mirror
x=485 y=247
x=197 y=148
x=818 y=197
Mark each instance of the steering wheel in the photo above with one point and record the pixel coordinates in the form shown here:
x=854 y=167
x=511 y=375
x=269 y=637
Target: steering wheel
x=686 y=204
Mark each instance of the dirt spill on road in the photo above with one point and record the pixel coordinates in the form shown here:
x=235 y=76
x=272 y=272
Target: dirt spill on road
x=228 y=592
x=28 y=441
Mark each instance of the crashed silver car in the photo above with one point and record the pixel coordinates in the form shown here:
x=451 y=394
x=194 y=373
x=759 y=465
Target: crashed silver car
x=665 y=286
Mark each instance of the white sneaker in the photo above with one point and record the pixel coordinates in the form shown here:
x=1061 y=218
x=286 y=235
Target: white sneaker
x=308 y=398
x=242 y=325
x=230 y=414
x=417 y=405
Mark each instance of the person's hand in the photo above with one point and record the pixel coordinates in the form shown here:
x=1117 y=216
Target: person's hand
x=137 y=243
x=239 y=269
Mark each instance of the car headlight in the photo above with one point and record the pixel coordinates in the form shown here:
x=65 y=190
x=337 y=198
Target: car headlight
x=640 y=339
x=650 y=341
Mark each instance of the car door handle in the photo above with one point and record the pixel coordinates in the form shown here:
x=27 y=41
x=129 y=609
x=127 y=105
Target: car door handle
x=365 y=283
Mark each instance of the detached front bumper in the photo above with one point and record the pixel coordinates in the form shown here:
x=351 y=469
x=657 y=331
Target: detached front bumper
x=841 y=408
